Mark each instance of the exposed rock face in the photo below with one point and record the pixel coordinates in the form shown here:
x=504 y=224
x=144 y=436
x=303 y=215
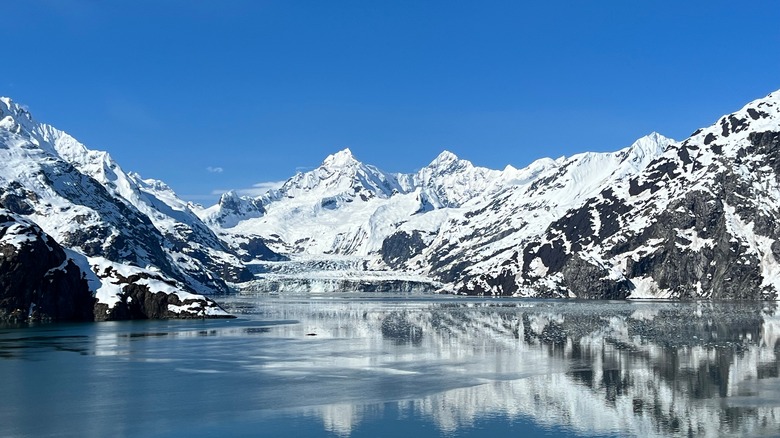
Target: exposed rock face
x=37 y=280
x=138 y=300
x=254 y=248
x=479 y=249
x=401 y=247
x=231 y=208
x=702 y=221
x=40 y=281
x=130 y=292
x=85 y=201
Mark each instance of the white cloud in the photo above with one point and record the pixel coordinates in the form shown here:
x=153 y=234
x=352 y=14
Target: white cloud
x=260 y=188
x=256 y=189
x=211 y=169
x=268 y=185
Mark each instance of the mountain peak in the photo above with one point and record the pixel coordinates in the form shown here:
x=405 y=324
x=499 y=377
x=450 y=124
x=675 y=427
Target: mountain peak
x=341 y=158
x=444 y=158
x=651 y=144
x=447 y=161
x=11 y=113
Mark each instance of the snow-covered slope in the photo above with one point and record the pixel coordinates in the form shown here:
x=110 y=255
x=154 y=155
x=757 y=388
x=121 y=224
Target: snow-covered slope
x=70 y=206
x=347 y=207
x=450 y=221
x=656 y=219
x=700 y=221
x=451 y=182
x=86 y=202
x=483 y=238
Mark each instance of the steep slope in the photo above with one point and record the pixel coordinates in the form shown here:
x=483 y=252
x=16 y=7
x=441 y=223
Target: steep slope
x=695 y=219
x=72 y=207
x=198 y=256
x=483 y=238
x=348 y=208
x=86 y=201
x=701 y=221
x=42 y=281
x=449 y=182
x=38 y=282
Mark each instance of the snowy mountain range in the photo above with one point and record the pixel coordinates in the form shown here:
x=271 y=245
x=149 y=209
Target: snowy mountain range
x=445 y=222
x=122 y=231
x=659 y=218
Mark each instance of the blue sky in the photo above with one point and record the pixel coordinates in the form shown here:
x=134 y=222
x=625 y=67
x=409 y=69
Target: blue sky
x=209 y=95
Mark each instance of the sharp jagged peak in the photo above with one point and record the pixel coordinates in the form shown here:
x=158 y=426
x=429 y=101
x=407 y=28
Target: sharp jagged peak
x=228 y=196
x=655 y=137
x=12 y=115
x=448 y=161
x=653 y=143
x=342 y=158
x=10 y=108
x=9 y=103
x=445 y=157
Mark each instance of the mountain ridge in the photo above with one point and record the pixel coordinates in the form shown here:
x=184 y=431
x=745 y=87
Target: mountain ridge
x=593 y=225
x=110 y=222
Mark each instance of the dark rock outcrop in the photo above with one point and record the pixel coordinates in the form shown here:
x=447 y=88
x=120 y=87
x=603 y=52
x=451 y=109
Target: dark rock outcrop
x=37 y=280
x=147 y=295
x=400 y=247
x=704 y=237
x=700 y=221
x=254 y=248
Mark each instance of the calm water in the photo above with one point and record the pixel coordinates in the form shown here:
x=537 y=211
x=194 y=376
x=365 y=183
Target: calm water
x=392 y=367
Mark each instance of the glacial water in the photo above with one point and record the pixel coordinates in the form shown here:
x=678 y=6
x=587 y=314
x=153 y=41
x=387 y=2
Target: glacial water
x=402 y=366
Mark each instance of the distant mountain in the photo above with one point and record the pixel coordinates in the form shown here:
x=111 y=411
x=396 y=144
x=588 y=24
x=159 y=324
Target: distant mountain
x=690 y=219
x=347 y=207
x=480 y=240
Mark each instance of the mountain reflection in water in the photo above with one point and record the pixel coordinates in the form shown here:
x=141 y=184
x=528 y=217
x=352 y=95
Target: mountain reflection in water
x=584 y=368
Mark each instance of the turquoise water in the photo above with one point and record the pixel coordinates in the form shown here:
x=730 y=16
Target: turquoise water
x=442 y=366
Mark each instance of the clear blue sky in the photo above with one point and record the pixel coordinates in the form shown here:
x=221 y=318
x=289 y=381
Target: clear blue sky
x=261 y=88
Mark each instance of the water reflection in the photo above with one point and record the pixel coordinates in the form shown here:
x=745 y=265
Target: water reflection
x=698 y=369
x=587 y=368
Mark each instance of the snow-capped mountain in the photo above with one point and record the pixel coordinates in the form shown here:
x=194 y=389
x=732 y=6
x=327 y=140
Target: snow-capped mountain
x=701 y=221
x=346 y=207
x=440 y=221
x=86 y=202
x=657 y=219
x=449 y=181
x=483 y=238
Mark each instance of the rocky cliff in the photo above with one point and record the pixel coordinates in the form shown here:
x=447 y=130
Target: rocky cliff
x=38 y=282
x=701 y=221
